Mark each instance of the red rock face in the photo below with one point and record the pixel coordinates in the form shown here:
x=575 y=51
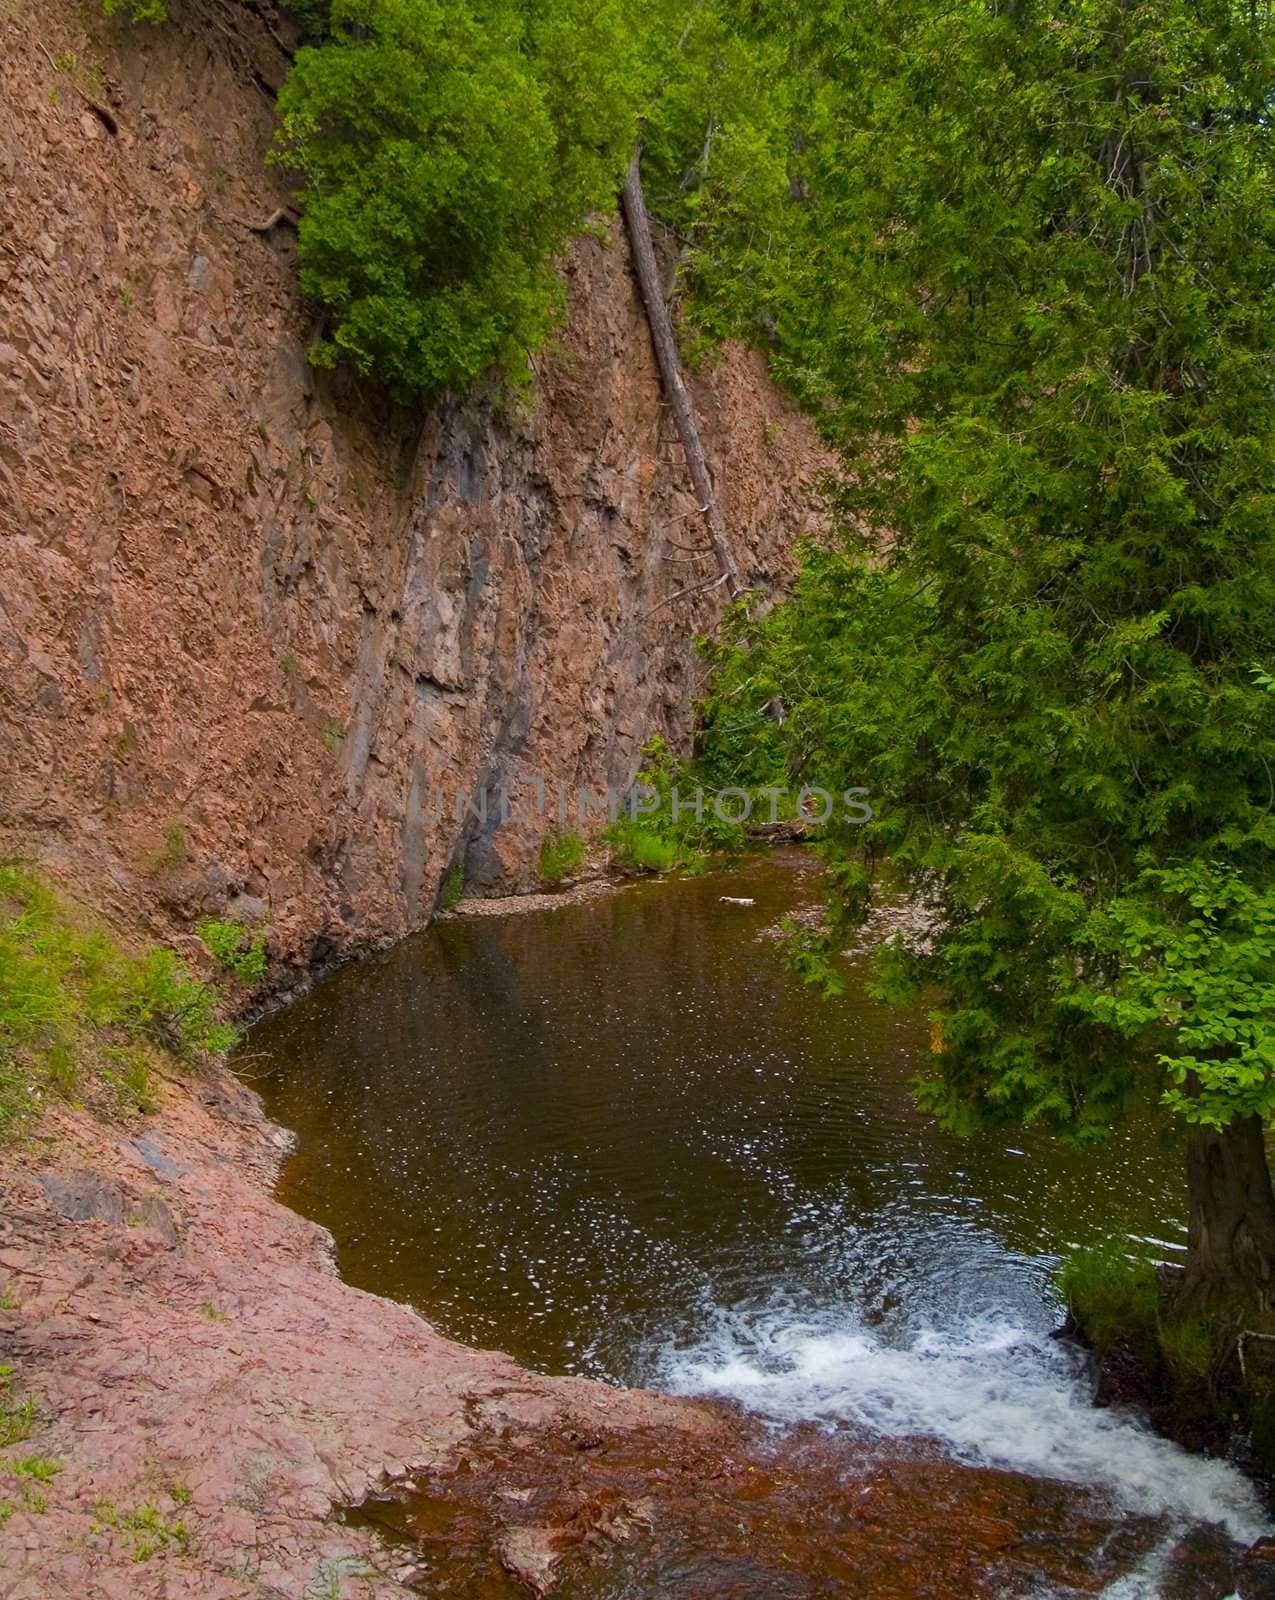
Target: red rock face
x=254 y=618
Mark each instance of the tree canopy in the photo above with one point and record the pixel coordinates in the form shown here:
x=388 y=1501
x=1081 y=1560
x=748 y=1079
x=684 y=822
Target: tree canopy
x=1033 y=305
x=446 y=152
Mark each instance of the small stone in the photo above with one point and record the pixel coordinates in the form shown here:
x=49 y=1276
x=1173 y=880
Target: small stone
x=84 y=1196
x=246 y=908
x=157 y=1161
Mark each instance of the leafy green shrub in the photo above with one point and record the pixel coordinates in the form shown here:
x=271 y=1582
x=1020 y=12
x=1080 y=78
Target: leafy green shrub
x=314 y=17
x=654 y=838
x=638 y=846
x=446 y=153
x=159 y=999
x=77 y=1011
x=561 y=854
x=234 y=949
x=1112 y=1298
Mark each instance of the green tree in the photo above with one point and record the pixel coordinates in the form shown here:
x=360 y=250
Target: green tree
x=1028 y=287
x=446 y=152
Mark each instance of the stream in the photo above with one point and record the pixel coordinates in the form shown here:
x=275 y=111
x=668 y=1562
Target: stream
x=619 y=1139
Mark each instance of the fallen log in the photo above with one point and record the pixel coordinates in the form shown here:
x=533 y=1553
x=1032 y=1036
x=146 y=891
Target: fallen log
x=638 y=223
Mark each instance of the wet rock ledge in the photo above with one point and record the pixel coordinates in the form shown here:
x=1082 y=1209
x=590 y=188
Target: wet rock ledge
x=212 y=1390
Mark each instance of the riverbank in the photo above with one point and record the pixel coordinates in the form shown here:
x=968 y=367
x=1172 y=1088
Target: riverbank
x=209 y=1395
x=210 y=1391
x=579 y=893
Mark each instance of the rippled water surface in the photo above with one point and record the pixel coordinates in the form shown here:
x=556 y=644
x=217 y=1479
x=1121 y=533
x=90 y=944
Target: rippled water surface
x=619 y=1139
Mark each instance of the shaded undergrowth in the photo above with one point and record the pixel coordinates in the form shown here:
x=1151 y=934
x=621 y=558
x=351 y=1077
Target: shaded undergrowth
x=1180 y=1368
x=671 y=823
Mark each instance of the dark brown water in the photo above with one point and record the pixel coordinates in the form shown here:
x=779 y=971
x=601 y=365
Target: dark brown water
x=620 y=1139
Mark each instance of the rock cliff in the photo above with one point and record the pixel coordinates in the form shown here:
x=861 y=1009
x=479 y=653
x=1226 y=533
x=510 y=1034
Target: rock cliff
x=254 y=619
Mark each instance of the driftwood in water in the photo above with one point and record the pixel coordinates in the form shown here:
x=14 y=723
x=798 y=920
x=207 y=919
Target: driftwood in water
x=676 y=393
x=791 y=830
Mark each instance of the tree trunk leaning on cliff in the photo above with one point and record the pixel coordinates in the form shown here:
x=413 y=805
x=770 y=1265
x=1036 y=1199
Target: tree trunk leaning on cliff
x=675 y=391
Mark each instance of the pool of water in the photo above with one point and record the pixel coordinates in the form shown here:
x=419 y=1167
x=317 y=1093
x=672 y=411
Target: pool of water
x=620 y=1139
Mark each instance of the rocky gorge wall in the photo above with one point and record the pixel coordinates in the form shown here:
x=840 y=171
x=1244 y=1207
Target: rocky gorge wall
x=254 y=618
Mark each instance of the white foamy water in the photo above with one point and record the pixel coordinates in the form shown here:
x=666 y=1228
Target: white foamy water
x=992 y=1393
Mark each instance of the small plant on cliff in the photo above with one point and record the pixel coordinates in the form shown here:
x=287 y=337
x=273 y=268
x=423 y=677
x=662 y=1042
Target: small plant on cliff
x=145 y=1530
x=561 y=854
x=234 y=949
x=175 y=852
x=17 y=1417
x=136 y=10
x=330 y=1577
x=128 y=1071
x=34 y=1009
x=453 y=889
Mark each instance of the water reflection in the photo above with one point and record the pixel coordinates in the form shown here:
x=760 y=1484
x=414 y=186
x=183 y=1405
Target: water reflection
x=570 y=1134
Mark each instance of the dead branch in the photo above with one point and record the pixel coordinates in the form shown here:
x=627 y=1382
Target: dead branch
x=695 y=549
x=694 y=588
x=633 y=203
x=283 y=217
